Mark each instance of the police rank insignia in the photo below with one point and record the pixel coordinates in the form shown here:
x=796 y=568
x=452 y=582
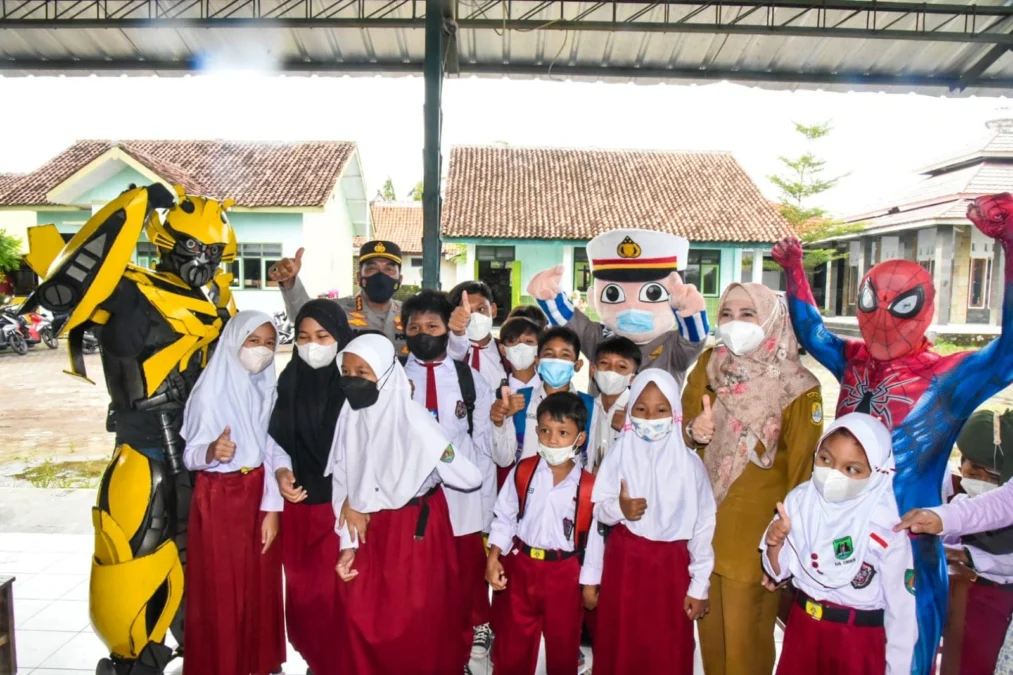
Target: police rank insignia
x=909 y=581
x=460 y=410
x=448 y=455
x=864 y=576
x=843 y=548
x=628 y=249
x=656 y=353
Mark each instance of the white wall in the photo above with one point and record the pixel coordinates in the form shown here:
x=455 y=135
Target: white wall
x=16 y=223
x=327 y=262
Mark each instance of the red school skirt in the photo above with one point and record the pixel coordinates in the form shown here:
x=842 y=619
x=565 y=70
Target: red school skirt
x=401 y=613
x=989 y=609
x=309 y=549
x=641 y=626
x=233 y=593
x=830 y=648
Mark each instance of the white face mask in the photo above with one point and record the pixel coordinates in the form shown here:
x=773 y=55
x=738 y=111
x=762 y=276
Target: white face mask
x=255 y=359
x=741 y=337
x=556 y=456
x=479 y=327
x=835 y=486
x=652 y=430
x=974 y=487
x=611 y=383
x=521 y=356
x=317 y=355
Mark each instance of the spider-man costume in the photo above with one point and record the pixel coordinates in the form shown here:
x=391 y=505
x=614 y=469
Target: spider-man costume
x=923 y=397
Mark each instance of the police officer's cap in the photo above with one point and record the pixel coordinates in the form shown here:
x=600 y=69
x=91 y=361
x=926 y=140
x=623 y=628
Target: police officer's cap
x=380 y=249
x=636 y=255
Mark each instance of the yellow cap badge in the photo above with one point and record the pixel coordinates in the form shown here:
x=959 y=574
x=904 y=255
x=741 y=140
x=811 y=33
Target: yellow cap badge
x=380 y=248
x=629 y=249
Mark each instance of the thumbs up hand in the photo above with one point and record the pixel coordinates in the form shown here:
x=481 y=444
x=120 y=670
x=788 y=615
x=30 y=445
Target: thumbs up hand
x=222 y=448
x=287 y=269
x=702 y=426
x=780 y=528
x=633 y=509
x=461 y=316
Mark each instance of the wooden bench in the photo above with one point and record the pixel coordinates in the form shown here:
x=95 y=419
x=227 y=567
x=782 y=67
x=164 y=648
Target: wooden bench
x=8 y=652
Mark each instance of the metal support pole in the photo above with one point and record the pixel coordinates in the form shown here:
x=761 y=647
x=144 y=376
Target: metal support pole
x=432 y=160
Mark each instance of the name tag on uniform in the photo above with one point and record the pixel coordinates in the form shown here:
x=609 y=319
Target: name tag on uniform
x=814 y=609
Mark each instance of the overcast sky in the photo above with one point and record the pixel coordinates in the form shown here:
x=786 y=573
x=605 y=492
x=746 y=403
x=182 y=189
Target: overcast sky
x=879 y=140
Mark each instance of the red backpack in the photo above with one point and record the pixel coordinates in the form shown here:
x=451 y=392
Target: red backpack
x=582 y=521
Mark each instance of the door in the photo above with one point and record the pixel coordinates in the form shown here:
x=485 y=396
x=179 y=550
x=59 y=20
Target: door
x=497 y=275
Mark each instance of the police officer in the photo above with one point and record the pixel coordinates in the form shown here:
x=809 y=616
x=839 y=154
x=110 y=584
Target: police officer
x=374 y=306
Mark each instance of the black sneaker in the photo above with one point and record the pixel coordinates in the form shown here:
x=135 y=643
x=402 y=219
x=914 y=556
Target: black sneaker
x=482 y=641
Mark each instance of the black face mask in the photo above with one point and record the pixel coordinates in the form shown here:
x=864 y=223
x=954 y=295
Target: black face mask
x=379 y=287
x=427 y=347
x=359 y=392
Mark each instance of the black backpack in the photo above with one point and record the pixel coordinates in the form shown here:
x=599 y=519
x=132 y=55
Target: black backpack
x=466 y=381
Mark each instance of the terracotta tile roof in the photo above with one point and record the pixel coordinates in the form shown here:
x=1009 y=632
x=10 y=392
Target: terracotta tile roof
x=400 y=223
x=252 y=173
x=7 y=180
x=549 y=193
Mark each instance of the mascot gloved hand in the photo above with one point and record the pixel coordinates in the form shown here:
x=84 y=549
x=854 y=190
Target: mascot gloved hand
x=638 y=294
x=923 y=397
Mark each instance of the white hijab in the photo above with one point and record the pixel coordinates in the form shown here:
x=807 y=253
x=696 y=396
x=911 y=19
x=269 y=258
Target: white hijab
x=825 y=522
x=650 y=467
x=227 y=394
x=391 y=447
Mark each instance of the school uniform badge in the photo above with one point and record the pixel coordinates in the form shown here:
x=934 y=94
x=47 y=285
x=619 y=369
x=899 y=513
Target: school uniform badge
x=843 y=548
x=816 y=412
x=567 y=528
x=909 y=581
x=448 y=455
x=864 y=576
x=460 y=410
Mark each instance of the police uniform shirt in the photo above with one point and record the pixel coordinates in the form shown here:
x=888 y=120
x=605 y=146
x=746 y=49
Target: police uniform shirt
x=361 y=317
x=548 y=522
x=470 y=511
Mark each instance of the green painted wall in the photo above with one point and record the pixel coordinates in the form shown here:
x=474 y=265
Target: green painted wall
x=67 y=222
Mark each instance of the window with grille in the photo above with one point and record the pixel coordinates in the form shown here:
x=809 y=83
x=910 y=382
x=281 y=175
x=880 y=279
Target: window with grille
x=979 y=286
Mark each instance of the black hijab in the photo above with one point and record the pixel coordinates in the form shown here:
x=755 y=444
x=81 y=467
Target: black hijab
x=309 y=400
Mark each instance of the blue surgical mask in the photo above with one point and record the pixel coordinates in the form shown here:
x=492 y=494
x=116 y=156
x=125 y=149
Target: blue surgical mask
x=652 y=430
x=556 y=373
x=635 y=321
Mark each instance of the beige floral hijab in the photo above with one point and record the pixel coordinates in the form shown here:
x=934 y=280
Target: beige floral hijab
x=752 y=392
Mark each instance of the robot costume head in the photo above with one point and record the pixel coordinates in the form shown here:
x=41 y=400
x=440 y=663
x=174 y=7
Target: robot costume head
x=194 y=239
x=895 y=308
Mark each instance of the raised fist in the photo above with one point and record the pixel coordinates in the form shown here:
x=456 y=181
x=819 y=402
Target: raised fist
x=287 y=269
x=545 y=284
x=788 y=252
x=993 y=215
x=684 y=298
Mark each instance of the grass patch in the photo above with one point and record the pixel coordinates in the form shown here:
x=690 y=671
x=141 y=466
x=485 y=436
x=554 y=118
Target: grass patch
x=947 y=348
x=64 y=475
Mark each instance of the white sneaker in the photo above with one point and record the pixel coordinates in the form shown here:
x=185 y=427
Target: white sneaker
x=482 y=641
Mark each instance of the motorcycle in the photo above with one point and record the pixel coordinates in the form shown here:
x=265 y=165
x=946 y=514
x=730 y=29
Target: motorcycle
x=35 y=328
x=286 y=331
x=10 y=334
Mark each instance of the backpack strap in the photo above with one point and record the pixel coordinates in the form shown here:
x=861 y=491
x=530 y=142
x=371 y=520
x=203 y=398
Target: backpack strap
x=522 y=481
x=521 y=418
x=589 y=406
x=466 y=380
x=585 y=513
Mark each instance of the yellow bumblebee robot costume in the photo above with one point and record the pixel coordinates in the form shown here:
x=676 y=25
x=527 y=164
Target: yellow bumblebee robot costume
x=156 y=330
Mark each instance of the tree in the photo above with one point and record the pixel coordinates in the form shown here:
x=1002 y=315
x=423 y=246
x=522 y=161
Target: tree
x=416 y=193
x=10 y=253
x=388 y=190
x=803 y=180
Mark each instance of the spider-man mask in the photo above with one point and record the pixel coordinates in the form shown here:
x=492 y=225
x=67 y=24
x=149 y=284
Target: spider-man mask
x=895 y=308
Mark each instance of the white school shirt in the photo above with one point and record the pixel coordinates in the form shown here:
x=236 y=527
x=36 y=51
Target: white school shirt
x=505 y=438
x=643 y=481
x=548 y=506
x=470 y=511
x=489 y=363
x=997 y=568
x=195 y=459
x=516 y=385
x=879 y=584
x=602 y=433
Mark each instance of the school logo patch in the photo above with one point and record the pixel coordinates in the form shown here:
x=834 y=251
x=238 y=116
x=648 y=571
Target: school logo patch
x=864 y=576
x=816 y=410
x=460 y=410
x=567 y=528
x=843 y=548
x=909 y=581
x=448 y=455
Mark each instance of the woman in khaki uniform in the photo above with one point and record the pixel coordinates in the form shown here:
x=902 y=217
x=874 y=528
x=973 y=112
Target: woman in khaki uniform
x=761 y=398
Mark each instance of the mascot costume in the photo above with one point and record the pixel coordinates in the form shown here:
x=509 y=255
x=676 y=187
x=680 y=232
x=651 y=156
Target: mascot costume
x=638 y=294
x=924 y=398
x=156 y=331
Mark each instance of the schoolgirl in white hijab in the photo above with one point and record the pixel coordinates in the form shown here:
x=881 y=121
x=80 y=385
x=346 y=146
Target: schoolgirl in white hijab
x=655 y=493
x=234 y=617
x=834 y=538
x=388 y=460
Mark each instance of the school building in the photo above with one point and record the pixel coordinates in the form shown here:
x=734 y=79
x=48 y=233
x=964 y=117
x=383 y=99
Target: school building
x=288 y=195
x=519 y=211
x=928 y=224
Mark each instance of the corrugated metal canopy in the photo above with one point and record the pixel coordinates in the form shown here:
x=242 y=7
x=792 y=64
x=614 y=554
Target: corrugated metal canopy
x=928 y=47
